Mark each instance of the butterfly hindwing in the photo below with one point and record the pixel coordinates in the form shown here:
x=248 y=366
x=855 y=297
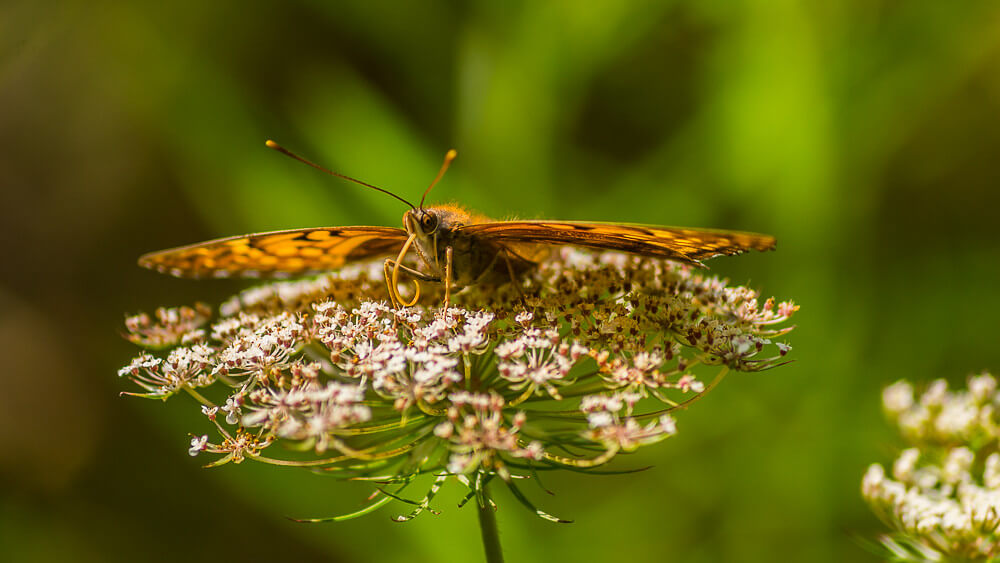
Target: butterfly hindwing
x=676 y=243
x=278 y=253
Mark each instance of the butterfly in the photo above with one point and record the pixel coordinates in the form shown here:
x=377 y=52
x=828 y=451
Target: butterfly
x=453 y=246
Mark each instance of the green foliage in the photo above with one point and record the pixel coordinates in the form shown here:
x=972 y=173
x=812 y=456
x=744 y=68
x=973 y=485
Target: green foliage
x=861 y=133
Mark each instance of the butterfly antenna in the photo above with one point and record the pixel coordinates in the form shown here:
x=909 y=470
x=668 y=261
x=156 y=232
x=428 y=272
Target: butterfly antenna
x=448 y=157
x=286 y=152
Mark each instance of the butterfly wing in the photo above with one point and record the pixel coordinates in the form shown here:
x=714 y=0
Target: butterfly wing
x=676 y=243
x=276 y=254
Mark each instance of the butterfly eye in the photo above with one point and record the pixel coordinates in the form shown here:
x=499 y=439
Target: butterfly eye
x=428 y=223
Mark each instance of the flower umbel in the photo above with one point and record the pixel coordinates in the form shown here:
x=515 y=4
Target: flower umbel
x=586 y=357
x=942 y=499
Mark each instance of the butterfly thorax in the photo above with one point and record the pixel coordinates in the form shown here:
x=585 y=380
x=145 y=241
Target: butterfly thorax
x=436 y=229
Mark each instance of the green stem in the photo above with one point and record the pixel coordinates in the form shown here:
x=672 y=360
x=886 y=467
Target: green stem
x=488 y=528
x=198 y=396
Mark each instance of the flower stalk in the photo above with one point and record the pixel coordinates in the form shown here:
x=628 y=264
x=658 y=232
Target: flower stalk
x=488 y=528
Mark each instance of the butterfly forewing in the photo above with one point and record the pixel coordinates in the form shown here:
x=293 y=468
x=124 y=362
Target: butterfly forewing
x=676 y=243
x=278 y=253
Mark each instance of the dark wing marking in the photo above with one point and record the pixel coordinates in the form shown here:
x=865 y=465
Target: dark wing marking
x=676 y=243
x=276 y=254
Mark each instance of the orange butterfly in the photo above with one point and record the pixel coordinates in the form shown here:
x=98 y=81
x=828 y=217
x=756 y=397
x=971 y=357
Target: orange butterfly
x=454 y=247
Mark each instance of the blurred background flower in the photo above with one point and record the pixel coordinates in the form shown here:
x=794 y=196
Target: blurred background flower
x=861 y=134
x=942 y=501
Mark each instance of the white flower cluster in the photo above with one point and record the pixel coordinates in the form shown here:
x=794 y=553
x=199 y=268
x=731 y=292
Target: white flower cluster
x=308 y=412
x=943 y=416
x=943 y=498
x=169 y=326
x=259 y=347
x=476 y=428
x=589 y=355
x=183 y=367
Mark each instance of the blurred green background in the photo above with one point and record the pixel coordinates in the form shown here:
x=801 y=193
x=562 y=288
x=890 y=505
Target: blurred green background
x=862 y=133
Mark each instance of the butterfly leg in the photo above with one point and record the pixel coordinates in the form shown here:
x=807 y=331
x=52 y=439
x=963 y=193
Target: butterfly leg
x=513 y=279
x=510 y=271
x=387 y=274
x=448 y=253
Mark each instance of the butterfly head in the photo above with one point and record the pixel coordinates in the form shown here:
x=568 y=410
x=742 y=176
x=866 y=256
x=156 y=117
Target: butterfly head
x=422 y=225
x=421 y=222
x=429 y=222
x=434 y=229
